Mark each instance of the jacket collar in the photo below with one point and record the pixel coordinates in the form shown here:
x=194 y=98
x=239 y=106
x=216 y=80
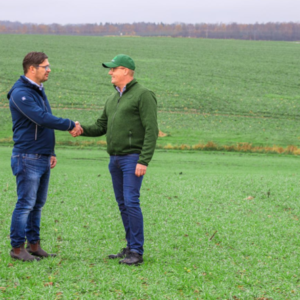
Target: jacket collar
x=29 y=84
x=129 y=85
x=34 y=83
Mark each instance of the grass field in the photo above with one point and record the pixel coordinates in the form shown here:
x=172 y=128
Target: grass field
x=224 y=91
x=217 y=226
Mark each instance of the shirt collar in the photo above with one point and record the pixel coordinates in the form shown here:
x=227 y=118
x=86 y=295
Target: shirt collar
x=121 y=92
x=31 y=81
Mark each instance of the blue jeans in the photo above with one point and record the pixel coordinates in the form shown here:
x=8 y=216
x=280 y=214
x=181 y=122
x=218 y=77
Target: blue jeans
x=32 y=173
x=127 y=192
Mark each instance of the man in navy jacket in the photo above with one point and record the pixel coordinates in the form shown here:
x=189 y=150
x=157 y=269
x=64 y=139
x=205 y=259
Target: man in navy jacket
x=33 y=153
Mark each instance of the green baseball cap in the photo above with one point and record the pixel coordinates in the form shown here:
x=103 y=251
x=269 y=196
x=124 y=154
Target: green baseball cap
x=120 y=60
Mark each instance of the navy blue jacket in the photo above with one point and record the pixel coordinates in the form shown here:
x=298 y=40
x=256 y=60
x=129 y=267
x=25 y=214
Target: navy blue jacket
x=33 y=122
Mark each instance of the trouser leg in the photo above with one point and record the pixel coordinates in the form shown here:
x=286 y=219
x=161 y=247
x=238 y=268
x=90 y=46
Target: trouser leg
x=117 y=180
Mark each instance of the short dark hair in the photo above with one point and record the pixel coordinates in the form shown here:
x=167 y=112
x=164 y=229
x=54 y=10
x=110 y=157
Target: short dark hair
x=33 y=59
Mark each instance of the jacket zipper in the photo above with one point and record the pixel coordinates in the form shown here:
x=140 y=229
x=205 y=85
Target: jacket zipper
x=130 y=136
x=45 y=104
x=112 y=124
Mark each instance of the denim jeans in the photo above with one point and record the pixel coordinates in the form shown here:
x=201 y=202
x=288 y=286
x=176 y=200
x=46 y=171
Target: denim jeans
x=127 y=192
x=32 y=173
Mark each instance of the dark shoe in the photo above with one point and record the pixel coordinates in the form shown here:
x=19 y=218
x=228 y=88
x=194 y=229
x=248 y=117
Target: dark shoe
x=133 y=258
x=21 y=254
x=36 y=250
x=121 y=254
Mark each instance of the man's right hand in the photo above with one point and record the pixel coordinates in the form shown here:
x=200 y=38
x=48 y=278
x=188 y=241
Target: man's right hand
x=140 y=170
x=77 y=130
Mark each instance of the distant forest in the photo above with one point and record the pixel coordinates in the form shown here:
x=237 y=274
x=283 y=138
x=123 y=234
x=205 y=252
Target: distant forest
x=259 y=31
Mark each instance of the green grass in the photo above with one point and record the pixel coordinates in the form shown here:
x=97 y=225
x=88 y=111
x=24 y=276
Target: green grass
x=204 y=238
x=224 y=91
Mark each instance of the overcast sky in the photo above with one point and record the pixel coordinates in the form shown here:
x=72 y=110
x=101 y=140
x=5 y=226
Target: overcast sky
x=166 y=11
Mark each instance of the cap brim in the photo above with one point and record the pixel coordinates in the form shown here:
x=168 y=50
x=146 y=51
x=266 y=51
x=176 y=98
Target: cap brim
x=109 y=65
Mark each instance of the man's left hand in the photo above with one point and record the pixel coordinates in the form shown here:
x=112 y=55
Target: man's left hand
x=140 y=170
x=53 y=162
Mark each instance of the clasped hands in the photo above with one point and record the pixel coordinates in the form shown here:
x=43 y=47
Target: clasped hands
x=77 y=130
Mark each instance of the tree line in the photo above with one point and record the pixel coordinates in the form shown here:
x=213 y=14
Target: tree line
x=289 y=31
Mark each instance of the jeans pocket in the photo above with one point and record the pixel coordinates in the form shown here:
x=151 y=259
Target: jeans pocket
x=36 y=163
x=14 y=161
x=31 y=156
x=31 y=162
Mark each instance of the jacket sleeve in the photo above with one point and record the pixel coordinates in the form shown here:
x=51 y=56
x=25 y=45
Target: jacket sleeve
x=148 y=114
x=25 y=103
x=98 y=128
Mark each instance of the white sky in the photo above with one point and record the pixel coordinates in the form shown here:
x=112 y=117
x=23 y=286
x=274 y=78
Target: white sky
x=166 y=11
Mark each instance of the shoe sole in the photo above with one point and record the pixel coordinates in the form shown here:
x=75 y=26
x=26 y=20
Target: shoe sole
x=133 y=264
x=41 y=256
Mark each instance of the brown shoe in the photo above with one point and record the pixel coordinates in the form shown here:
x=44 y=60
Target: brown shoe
x=36 y=250
x=121 y=254
x=21 y=254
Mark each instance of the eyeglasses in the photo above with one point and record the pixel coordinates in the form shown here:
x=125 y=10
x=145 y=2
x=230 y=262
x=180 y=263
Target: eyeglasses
x=45 y=67
x=114 y=69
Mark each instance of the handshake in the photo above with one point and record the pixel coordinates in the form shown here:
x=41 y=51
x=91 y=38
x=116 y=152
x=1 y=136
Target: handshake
x=77 y=130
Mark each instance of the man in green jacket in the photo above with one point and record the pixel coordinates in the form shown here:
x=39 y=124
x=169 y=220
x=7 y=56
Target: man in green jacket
x=129 y=120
